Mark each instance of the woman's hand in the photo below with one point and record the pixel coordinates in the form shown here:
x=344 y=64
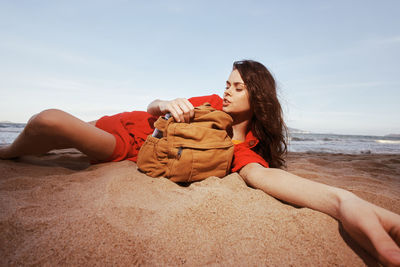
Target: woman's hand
x=374 y=228
x=181 y=109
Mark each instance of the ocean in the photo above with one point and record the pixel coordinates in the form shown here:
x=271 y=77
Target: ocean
x=345 y=144
x=9 y=131
x=298 y=142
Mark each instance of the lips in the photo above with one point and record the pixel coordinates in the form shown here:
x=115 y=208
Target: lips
x=226 y=102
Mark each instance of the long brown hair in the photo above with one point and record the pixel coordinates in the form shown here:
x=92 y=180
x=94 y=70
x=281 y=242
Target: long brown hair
x=267 y=123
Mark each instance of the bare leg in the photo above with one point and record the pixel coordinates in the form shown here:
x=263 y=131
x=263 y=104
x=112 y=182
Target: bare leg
x=56 y=129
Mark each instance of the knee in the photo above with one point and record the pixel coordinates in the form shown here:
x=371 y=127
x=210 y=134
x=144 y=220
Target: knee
x=44 y=122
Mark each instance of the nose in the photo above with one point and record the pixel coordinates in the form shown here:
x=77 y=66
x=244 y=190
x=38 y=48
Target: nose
x=228 y=91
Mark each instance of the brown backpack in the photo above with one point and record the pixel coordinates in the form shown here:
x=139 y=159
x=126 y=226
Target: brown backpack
x=191 y=151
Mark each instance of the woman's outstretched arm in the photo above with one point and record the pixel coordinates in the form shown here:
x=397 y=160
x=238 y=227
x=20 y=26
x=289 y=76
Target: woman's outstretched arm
x=374 y=228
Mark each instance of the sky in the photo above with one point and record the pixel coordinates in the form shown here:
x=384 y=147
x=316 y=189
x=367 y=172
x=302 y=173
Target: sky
x=336 y=63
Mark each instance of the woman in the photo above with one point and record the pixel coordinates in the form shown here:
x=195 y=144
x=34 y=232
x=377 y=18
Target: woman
x=258 y=132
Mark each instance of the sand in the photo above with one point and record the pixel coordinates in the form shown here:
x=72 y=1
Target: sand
x=57 y=209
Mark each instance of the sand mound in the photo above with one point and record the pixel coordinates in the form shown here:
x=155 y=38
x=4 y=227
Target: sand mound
x=59 y=210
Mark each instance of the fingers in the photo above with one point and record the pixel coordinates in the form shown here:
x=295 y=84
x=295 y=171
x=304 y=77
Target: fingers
x=384 y=240
x=387 y=250
x=379 y=233
x=374 y=228
x=181 y=109
x=390 y=222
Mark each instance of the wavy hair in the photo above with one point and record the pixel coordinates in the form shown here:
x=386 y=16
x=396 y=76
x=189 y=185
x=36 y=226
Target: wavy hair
x=267 y=122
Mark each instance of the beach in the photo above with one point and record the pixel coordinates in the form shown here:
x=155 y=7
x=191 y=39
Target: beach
x=57 y=209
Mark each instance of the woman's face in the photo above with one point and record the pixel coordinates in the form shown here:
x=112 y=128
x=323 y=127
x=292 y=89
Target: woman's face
x=236 y=96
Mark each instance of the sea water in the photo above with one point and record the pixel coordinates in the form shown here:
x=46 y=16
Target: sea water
x=298 y=142
x=346 y=144
x=9 y=131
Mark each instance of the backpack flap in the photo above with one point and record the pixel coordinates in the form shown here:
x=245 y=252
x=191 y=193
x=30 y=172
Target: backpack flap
x=201 y=148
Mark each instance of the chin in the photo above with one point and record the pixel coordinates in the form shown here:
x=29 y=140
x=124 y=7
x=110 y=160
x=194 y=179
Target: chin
x=225 y=109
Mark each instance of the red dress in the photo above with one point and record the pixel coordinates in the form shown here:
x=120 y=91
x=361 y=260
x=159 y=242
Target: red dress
x=131 y=129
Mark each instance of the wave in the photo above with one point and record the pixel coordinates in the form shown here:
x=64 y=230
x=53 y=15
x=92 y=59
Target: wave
x=12 y=125
x=313 y=139
x=11 y=130
x=330 y=139
x=388 y=141
x=301 y=139
x=341 y=150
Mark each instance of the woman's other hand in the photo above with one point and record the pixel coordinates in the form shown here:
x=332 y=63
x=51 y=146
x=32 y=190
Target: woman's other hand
x=180 y=108
x=374 y=228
